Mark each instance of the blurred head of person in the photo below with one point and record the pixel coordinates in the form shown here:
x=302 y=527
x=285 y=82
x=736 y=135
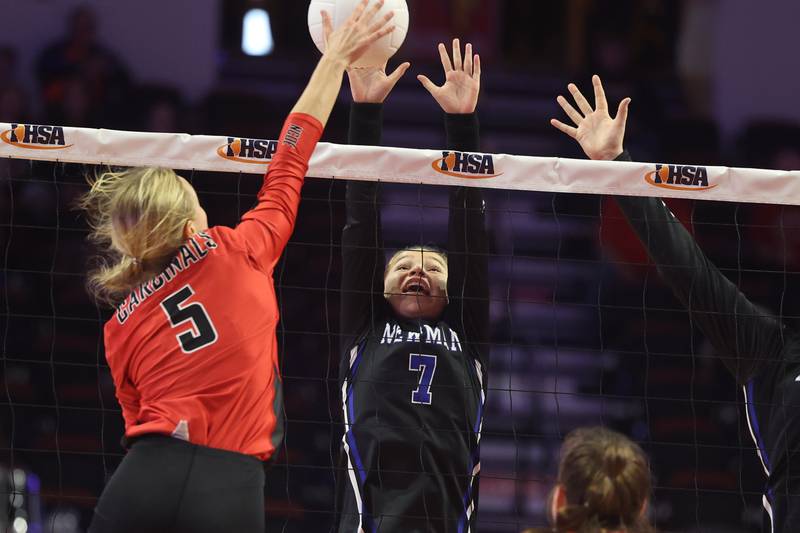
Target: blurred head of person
x=82 y=26
x=13 y=104
x=139 y=219
x=603 y=485
x=786 y=158
x=8 y=64
x=159 y=108
x=415 y=283
x=162 y=117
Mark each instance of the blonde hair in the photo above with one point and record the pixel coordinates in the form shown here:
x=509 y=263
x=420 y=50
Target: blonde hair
x=137 y=218
x=606 y=478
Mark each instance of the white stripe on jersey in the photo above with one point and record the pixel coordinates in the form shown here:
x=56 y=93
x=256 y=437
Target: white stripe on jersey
x=747 y=405
x=768 y=508
x=764 y=500
x=350 y=469
x=477 y=468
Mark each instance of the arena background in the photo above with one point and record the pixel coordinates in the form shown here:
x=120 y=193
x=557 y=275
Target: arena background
x=583 y=330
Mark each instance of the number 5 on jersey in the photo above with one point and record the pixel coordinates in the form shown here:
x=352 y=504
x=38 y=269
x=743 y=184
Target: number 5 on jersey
x=202 y=332
x=426 y=365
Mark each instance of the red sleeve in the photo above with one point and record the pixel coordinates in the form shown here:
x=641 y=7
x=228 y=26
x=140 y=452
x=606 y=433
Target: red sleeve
x=127 y=395
x=266 y=228
x=128 y=399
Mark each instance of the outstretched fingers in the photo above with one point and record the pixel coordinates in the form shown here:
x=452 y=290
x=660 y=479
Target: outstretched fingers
x=367 y=14
x=468 y=60
x=446 y=64
x=569 y=130
x=622 y=112
x=380 y=34
x=600 y=101
x=576 y=117
x=327 y=26
x=428 y=84
x=395 y=76
x=583 y=104
x=381 y=24
x=458 y=63
x=477 y=69
x=358 y=12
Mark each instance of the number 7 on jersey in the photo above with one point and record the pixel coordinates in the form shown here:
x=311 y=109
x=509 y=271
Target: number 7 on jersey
x=426 y=365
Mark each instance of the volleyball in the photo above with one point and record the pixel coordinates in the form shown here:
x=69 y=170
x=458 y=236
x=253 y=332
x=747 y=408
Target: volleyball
x=380 y=52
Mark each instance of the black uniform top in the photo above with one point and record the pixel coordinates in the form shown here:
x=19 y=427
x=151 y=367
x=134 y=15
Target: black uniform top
x=412 y=391
x=761 y=353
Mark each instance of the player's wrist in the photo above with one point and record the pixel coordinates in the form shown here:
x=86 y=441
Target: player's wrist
x=608 y=154
x=334 y=62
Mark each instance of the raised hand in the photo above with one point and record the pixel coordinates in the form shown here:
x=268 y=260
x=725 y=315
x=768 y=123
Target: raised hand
x=371 y=85
x=349 y=42
x=459 y=94
x=600 y=136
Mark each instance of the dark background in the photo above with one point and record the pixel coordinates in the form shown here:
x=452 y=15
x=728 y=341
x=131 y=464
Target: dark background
x=583 y=330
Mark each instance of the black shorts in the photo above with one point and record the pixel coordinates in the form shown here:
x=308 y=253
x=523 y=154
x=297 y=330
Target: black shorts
x=165 y=484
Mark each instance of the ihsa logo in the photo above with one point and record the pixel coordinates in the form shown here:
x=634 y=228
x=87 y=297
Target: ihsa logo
x=464 y=165
x=34 y=137
x=254 y=151
x=679 y=178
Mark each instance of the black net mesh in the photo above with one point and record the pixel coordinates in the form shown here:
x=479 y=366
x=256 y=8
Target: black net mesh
x=583 y=332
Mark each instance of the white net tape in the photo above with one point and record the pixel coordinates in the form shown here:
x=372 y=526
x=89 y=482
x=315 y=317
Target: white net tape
x=401 y=165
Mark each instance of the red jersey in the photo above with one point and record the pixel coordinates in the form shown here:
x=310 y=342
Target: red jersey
x=193 y=351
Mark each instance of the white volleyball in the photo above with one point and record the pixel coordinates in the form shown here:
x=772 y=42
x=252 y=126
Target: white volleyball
x=339 y=10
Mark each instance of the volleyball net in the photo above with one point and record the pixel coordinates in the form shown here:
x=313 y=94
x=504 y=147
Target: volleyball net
x=400 y=165
x=583 y=330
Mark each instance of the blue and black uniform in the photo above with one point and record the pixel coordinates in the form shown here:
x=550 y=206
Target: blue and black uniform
x=413 y=391
x=756 y=347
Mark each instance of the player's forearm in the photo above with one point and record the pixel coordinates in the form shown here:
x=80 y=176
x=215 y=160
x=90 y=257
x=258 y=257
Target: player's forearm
x=361 y=199
x=322 y=90
x=366 y=124
x=462 y=132
x=673 y=249
x=743 y=335
x=268 y=226
x=466 y=203
x=468 y=282
x=362 y=256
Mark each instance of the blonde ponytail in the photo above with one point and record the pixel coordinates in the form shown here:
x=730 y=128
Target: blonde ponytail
x=137 y=219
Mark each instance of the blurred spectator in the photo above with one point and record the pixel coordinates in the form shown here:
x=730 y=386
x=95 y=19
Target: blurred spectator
x=775 y=230
x=695 y=53
x=434 y=21
x=14 y=100
x=762 y=142
x=14 y=104
x=527 y=41
x=75 y=106
x=8 y=65
x=159 y=109
x=104 y=79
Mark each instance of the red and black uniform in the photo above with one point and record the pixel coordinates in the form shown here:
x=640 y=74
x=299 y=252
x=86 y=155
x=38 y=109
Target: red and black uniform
x=193 y=354
x=761 y=352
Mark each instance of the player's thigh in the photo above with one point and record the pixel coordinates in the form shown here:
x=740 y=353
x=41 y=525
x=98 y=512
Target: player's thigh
x=143 y=494
x=225 y=492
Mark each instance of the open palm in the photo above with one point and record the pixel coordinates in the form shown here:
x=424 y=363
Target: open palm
x=600 y=136
x=459 y=94
x=371 y=84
